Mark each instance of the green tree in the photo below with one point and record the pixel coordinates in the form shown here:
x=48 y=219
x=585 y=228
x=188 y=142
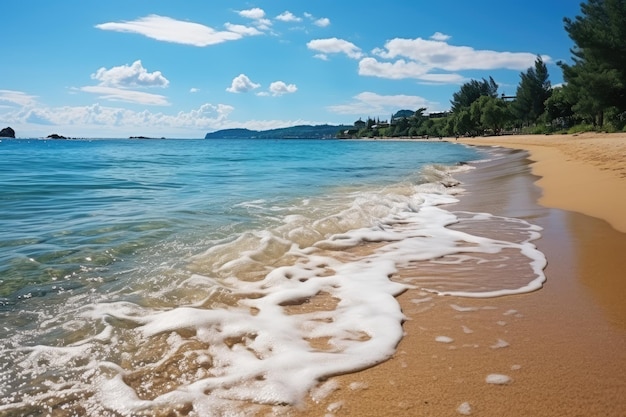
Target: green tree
x=472 y=91
x=490 y=113
x=559 y=108
x=463 y=123
x=532 y=92
x=416 y=121
x=597 y=77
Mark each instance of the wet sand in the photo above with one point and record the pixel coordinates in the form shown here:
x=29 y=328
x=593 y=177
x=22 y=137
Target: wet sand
x=559 y=351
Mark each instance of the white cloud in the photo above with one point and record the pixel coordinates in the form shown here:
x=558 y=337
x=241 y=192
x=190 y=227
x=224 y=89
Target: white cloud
x=254 y=13
x=438 y=36
x=117 y=83
x=334 y=45
x=104 y=121
x=134 y=75
x=242 y=84
x=194 y=90
x=425 y=59
x=441 y=55
x=108 y=121
x=287 y=16
x=323 y=22
x=129 y=96
x=396 y=71
x=368 y=103
x=402 y=69
x=166 y=29
x=278 y=88
x=17 y=97
x=323 y=57
x=243 y=30
x=258 y=15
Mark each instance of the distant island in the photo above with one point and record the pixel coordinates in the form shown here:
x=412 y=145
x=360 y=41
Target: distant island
x=294 y=132
x=143 y=137
x=55 y=136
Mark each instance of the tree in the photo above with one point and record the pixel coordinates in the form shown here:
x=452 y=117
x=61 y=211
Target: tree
x=597 y=77
x=559 y=108
x=471 y=91
x=532 y=92
x=493 y=113
x=463 y=123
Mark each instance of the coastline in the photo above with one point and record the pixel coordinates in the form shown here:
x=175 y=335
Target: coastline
x=557 y=351
x=585 y=173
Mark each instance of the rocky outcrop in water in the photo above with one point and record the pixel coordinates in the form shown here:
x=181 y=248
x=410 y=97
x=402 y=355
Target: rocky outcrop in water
x=7 y=132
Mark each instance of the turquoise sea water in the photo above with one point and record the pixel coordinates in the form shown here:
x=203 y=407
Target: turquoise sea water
x=141 y=275
x=68 y=207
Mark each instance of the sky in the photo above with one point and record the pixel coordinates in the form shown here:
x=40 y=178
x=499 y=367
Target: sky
x=180 y=69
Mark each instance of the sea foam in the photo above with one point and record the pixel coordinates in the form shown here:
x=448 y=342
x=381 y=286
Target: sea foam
x=262 y=319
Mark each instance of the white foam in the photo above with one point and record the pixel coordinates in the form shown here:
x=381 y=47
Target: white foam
x=444 y=339
x=463 y=309
x=421 y=300
x=322 y=391
x=464 y=409
x=224 y=336
x=498 y=379
x=500 y=344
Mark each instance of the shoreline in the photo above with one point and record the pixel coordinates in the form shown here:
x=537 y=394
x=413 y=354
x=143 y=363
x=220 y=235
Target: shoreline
x=556 y=351
x=585 y=173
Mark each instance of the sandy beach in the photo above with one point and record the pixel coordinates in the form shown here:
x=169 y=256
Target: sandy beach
x=558 y=351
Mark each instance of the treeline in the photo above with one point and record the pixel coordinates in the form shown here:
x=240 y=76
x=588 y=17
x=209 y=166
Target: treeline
x=593 y=96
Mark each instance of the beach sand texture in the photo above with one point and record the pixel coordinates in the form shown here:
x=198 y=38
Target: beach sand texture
x=560 y=351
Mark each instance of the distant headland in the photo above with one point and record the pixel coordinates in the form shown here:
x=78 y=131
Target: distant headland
x=294 y=132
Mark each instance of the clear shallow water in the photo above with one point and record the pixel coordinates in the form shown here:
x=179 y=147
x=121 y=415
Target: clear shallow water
x=210 y=276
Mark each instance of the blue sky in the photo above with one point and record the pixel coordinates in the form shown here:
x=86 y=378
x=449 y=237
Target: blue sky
x=180 y=69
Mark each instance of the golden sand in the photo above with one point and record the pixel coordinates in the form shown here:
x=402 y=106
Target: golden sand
x=585 y=173
x=560 y=351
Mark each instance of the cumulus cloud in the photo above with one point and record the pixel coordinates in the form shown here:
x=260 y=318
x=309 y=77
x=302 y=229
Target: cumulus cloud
x=242 y=84
x=97 y=120
x=166 y=29
x=372 y=103
x=323 y=22
x=402 y=69
x=335 y=45
x=287 y=16
x=254 y=13
x=436 y=61
x=134 y=75
x=438 y=36
x=243 y=30
x=120 y=83
x=258 y=15
x=278 y=88
x=397 y=70
x=441 y=55
x=101 y=120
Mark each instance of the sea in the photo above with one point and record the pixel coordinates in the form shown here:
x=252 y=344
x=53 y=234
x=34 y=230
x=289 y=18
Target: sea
x=223 y=277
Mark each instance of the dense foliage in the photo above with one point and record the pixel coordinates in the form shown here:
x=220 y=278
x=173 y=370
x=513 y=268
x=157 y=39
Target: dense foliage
x=592 y=97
